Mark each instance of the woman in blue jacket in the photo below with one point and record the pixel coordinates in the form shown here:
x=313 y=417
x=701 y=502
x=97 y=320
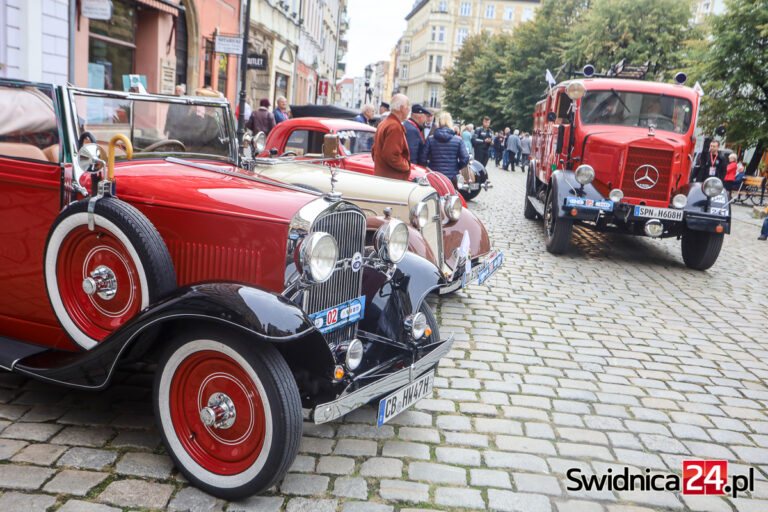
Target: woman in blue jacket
x=444 y=151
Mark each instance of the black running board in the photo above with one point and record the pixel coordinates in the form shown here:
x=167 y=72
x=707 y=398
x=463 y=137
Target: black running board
x=12 y=351
x=537 y=205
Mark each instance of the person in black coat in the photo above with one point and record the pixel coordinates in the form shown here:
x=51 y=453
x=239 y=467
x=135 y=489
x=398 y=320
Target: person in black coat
x=498 y=147
x=481 y=141
x=414 y=133
x=710 y=163
x=444 y=151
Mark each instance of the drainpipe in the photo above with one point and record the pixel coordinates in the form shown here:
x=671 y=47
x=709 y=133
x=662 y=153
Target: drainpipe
x=72 y=16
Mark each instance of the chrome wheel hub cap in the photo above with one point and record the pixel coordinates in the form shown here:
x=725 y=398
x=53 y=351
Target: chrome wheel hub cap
x=101 y=282
x=220 y=412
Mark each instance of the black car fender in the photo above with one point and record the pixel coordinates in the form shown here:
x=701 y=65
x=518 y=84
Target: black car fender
x=564 y=184
x=481 y=174
x=698 y=214
x=245 y=310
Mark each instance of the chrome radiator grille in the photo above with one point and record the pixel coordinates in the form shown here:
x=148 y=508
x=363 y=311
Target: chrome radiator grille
x=348 y=228
x=433 y=231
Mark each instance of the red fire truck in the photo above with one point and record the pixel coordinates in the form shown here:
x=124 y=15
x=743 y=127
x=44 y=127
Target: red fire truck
x=613 y=152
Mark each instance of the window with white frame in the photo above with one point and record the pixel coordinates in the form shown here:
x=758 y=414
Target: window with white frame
x=441 y=34
x=431 y=61
x=461 y=35
x=527 y=14
x=465 y=9
x=509 y=13
x=490 y=11
x=438 y=63
x=442 y=6
x=404 y=72
x=406 y=47
x=434 y=33
x=434 y=91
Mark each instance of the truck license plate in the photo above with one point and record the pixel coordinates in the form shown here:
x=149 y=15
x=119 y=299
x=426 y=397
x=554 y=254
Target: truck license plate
x=658 y=213
x=405 y=397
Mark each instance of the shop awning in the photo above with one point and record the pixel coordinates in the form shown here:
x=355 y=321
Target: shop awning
x=168 y=6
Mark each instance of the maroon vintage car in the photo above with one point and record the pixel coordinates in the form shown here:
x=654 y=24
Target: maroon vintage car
x=259 y=302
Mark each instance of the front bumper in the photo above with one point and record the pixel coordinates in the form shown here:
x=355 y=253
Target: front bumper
x=330 y=411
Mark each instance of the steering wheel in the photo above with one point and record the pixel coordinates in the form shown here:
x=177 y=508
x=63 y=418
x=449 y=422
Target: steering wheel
x=288 y=153
x=165 y=142
x=82 y=138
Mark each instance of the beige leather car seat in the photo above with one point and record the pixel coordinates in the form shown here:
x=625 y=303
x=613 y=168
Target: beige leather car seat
x=20 y=150
x=52 y=153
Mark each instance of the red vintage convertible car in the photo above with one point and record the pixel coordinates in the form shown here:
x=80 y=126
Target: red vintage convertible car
x=303 y=138
x=255 y=298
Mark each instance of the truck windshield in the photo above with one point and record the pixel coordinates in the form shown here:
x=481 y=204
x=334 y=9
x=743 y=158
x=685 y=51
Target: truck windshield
x=155 y=127
x=624 y=108
x=356 y=141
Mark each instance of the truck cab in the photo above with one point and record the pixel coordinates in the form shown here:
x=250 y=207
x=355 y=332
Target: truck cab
x=615 y=154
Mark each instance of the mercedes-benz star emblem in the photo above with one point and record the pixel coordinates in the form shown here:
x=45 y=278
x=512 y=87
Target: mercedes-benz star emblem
x=646 y=176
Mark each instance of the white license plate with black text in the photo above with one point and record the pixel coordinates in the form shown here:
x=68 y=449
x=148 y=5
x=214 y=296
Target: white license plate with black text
x=405 y=397
x=654 y=212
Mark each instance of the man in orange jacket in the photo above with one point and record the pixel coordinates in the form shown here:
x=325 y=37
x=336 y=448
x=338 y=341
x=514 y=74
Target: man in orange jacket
x=391 y=158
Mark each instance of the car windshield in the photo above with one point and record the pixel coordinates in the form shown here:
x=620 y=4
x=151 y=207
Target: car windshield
x=155 y=127
x=357 y=141
x=624 y=108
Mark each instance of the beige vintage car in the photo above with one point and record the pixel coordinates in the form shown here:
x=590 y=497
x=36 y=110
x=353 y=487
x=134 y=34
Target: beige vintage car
x=442 y=231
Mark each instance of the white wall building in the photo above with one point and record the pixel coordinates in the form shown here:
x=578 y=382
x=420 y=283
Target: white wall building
x=34 y=40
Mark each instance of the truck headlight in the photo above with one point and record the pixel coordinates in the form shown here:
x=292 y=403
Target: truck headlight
x=420 y=215
x=576 y=90
x=616 y=195
x=679 y=201
x=585 y=174
x=391 y=241
x=453 y=207
x=712 y=187
x=318 y=255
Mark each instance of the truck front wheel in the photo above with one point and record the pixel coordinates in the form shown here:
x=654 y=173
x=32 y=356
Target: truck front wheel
x=700 y=248
x=558 y=230
x=529 y=212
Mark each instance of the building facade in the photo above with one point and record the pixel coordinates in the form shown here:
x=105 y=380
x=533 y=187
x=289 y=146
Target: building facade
x=320 y=30
x=435 y=33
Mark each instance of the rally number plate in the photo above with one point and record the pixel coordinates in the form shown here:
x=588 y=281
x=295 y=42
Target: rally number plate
x=333 y=318
x=405 y=397
x=658 y=213
x=590 y=204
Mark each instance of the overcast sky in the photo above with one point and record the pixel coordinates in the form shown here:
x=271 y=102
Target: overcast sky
x=374 y=28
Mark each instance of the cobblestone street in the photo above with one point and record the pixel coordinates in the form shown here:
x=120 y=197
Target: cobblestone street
x=614 y=354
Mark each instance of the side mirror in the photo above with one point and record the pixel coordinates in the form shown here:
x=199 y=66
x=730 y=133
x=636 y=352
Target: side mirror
x=720 y=131
x=551 y=117
x=330 y=145
x=247 y=146
x=91 y=158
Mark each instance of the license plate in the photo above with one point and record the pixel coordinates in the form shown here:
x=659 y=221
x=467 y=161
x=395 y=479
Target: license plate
x=405 y=397
x=336 y=317
x=474 y=186
x=658 y=213
x=484 y=272
x=589 y=204
x=718 y=211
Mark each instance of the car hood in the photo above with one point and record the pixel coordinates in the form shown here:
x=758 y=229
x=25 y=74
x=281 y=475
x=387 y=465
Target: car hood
x=371 y=193
x=222 y=189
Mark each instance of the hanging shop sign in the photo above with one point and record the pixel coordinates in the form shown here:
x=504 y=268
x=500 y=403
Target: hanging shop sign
x=257 y=61
x=96 y=9
x=233 y=45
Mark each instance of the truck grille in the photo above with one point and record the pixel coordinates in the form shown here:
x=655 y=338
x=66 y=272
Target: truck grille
x=433 y=231
x=661 y=159
x=348 y=228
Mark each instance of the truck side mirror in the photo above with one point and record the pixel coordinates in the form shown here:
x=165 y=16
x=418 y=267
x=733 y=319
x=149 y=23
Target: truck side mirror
x=330 y=145
x=551 y=117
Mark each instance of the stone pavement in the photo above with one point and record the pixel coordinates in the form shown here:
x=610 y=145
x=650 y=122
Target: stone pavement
x=613 y=354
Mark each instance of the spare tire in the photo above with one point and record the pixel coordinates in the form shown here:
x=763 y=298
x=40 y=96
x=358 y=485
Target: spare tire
x=99 y=279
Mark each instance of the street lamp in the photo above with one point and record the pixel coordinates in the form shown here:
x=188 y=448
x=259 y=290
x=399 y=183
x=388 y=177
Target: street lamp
x=368 y=88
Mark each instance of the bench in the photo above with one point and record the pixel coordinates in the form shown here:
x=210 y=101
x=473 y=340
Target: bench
x=751 y=189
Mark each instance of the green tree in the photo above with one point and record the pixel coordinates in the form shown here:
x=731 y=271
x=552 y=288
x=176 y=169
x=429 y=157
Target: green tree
x=732 y=66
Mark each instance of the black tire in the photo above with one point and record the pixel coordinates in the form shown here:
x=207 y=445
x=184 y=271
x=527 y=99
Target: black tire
x=431 y=322
x=470 y=194
x=529 y=212
x=136 y=242
x=557 y=230
x=246 y=364
x=700 y=248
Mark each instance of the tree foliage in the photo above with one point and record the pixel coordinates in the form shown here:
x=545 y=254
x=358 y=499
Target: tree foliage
x=503 y=75
x=732 y=66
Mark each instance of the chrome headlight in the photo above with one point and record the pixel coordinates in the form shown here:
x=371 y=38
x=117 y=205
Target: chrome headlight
x=420 y=215
x=391 y=241
x=318 y=255
x=585 y=174
x=575 y=90
x=260 y=142
x=354 y=354
x=679 y=201
x=616 y=195
x=417 y=324
x=712 y=187
x=453 y=207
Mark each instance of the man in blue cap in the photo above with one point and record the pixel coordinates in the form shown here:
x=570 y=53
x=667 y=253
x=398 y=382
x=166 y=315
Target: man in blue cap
x=414 y=133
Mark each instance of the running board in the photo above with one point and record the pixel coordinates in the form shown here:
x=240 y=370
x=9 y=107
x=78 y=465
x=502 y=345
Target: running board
x=12 y=351
x=537 y=205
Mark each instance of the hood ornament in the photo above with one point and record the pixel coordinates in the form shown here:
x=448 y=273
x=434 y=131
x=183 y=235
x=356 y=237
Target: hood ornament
x=333 y=195
x=330 y=155
x=651 y=128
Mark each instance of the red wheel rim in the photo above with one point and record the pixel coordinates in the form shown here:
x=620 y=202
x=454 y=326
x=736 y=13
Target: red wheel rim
x=81 y=252
x=221 y=451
